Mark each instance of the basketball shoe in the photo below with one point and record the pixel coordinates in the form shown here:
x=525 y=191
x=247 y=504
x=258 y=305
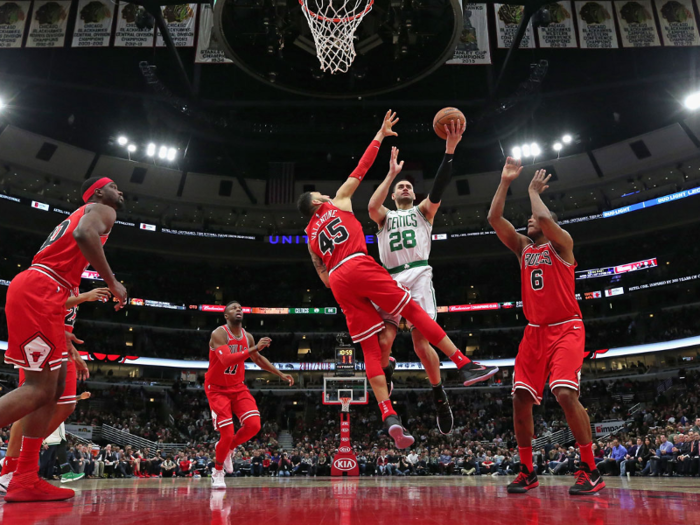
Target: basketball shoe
x=587 y=481
x=217 y=479
x=28 y=487
x=389 y=373
x=5 y=482
x=228 y=462
x=400 y=435
x=475 y=373
x=445 y=420
x=525 y=481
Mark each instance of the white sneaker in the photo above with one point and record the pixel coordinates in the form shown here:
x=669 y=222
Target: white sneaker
x=228 y=463
x=5 y=482
x=217 y=479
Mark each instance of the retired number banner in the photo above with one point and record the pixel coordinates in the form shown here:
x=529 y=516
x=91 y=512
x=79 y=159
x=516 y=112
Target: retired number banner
x=637 y=25
x=678 y=25
x=180 y=21
x=473 y=47
x=508 y=19
x=128 y=35
x=596 y=26
x=93 y=25
x=208 y=51
x=49 y=22
x=13 y=21
x=560 y=32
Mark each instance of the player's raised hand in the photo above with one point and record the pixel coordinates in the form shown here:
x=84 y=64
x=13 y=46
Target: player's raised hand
x=511 y=170
x=119 y=293
x=390 y=119
x=262 y=344
x=289 y=379
x=72 y=338
x=539 y=181
x=454 y=131
x=98 y=294
x=395 y=166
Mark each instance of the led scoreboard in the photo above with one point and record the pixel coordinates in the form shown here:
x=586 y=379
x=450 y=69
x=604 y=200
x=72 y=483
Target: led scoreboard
x=345 y=360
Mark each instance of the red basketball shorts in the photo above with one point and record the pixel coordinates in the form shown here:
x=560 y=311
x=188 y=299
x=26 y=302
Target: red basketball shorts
x=69 y=396
x=35 y=310
x=357 y=284
x=550 y=351
x=224 y=403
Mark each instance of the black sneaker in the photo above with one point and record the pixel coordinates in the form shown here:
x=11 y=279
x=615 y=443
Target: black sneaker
x=389 y=373
x=587 y=482
x=400 y=435
x=475 y=373
x=445 y=420
x=525 y=481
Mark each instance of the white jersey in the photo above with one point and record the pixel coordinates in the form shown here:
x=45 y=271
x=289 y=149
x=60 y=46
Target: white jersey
x=404 y=240
x=57 y=436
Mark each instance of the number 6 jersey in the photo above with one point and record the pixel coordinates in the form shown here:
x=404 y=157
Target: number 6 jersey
x=548 y=286
x=404 y=239
x=335 y=235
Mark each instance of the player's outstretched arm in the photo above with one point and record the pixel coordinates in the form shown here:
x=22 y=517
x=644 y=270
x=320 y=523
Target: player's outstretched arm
x=98 y=220
x=344 y=194
x=321 y=269
x=218 y=343
x=263 y=363
x=98 y=294
x=560 y=238
x=376 y=208
x=430 y=205
x=504 y=229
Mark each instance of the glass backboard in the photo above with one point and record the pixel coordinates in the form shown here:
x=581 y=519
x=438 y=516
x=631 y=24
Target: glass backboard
x=353 y=387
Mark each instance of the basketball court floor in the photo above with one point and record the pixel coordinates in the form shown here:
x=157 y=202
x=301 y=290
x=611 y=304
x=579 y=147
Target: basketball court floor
x=364 y=501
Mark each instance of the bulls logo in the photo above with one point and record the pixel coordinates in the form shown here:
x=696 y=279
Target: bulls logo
x=345 y=464
x=345 y=450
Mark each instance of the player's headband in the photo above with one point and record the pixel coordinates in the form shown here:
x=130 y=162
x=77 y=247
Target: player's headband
x=98 y=185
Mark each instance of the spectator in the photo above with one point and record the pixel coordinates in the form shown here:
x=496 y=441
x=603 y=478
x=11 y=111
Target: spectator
x=168 y=467
x=447 y=465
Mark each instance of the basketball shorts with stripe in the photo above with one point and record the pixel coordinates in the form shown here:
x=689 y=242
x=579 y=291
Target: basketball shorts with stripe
x=225 y=403
x=550 y=352
x=420 y=283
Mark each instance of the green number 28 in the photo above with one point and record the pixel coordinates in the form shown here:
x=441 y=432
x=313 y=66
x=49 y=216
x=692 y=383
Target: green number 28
x=402 y=239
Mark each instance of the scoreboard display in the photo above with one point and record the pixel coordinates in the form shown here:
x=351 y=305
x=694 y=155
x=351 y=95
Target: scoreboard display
x=345 y=360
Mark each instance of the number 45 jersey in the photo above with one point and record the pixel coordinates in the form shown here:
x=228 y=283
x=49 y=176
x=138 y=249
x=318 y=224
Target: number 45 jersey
x=335 y=235
x=404 y=240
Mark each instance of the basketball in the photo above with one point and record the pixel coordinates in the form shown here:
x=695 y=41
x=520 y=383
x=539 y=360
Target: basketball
x=444 y=116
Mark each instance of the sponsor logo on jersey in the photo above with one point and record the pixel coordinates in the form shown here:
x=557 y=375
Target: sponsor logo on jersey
x=345 y=464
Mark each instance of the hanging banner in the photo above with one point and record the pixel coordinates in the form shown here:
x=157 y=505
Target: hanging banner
x=596 y=27
x=180 y=21
x=560 y=32
x=473 y=47
x=678 y=25
x=128 y=35
x=13 y=21
x=208 y=51
x=508 y=19
x=637 y=25
x=93 y=25
x=49 y=21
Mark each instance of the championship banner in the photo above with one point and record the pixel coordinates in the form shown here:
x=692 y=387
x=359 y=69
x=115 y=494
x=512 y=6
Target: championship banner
x=208 y=51
x=678 y=25
x=93 y=24
x=596 y=27
x=560 y=32
x=128 y=35
x=473 y=47
x=13 y=21
x=180 y=21
x=637 y=25
x=508 y=19
x=49 y=22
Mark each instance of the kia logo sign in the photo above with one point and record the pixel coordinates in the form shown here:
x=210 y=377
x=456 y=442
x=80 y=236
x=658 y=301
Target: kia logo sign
x=345 y=424
x=345 y=464
x=344 y=439
x=345 y=450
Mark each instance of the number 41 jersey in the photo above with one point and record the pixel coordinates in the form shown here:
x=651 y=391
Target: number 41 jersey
x=335 y=235
x=548 y=286
x=232 y=377
x=405 y=238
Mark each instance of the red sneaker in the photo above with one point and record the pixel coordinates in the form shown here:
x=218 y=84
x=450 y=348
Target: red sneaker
x=28 y=487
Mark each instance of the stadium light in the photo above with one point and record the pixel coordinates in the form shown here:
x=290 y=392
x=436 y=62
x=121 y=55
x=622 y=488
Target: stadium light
x=171 y=154
x=2 y=104
x=526 y=150
x=535 y=149
x=131 y=148
x=151 y=150
x=162 y=152
x=692 y=101
x=557 y=146
x=122 y=140
x=517 y=152
x=566 y=139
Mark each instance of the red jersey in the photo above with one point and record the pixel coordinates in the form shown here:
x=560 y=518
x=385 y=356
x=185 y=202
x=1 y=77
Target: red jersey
x=60 y=257
x=548 y=286
x=233 y=376
x=335 y=235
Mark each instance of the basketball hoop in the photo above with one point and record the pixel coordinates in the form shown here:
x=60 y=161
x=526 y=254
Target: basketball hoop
x=345 y=404
x=333 y=29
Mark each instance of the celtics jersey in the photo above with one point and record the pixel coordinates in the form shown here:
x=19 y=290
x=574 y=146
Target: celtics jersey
x=404 y=238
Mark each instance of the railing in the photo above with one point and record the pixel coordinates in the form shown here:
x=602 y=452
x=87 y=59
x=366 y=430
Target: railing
x=122 y=438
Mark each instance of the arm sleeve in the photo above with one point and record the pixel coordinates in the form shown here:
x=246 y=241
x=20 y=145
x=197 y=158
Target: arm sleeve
x=366 y=161
x=442 y=179
x=228 y=359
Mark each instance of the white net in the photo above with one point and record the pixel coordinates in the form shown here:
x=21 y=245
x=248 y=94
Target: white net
x=333 y=24
x=345 y=404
